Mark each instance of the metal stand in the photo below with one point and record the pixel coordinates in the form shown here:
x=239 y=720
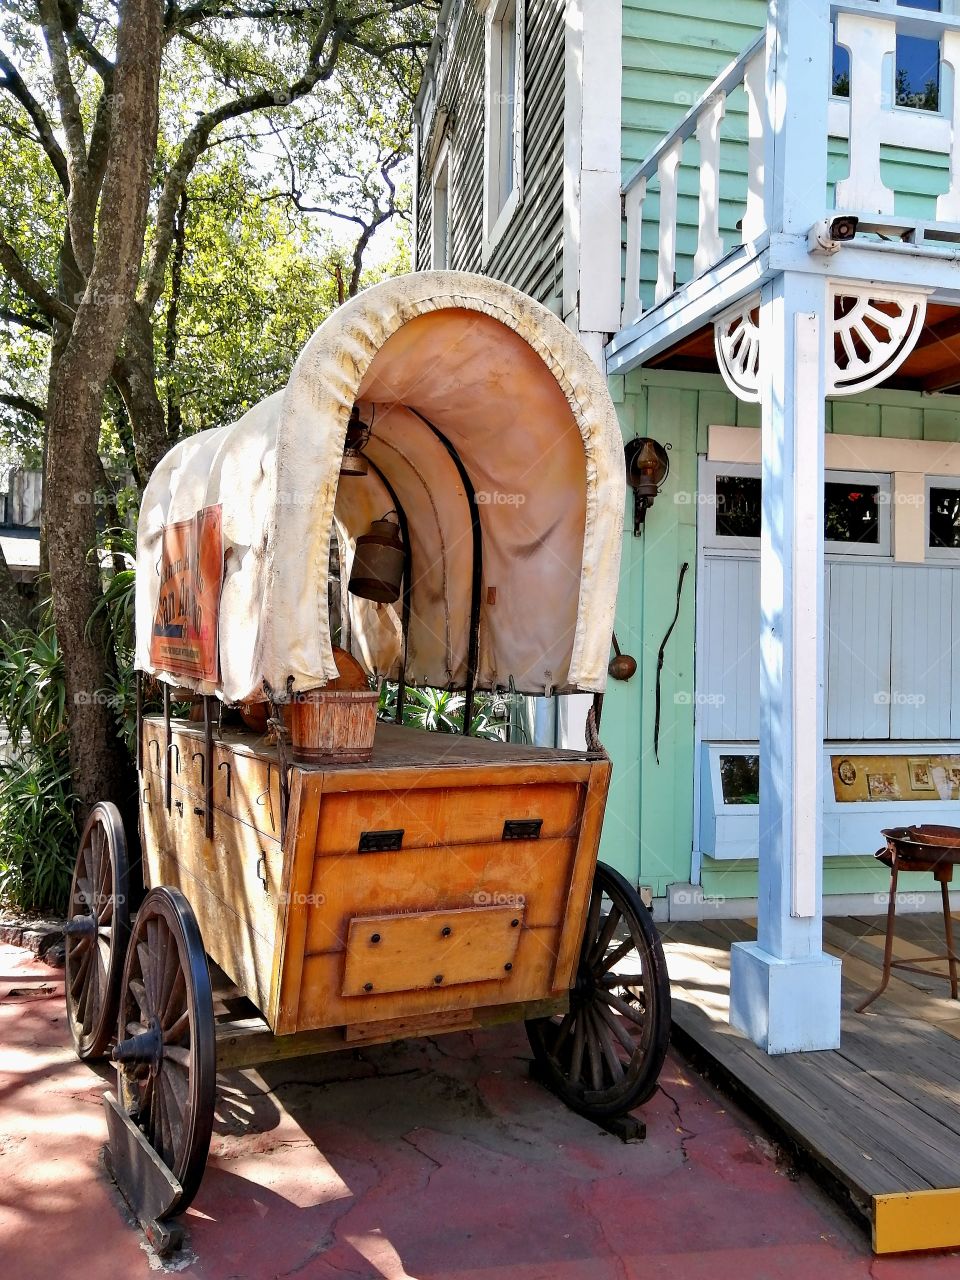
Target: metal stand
x=943 y=871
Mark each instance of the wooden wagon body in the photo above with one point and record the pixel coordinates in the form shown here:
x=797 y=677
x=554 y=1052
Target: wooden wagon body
x=351 y=893
x=471 y=861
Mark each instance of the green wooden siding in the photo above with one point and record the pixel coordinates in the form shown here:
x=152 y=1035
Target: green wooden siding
x=648 y=831
x=528 y=255
x=669 y=59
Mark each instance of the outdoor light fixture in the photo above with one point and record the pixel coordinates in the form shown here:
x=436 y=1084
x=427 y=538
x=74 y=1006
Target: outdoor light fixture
x=648 y=465
x=829 y=234
x=353 y=463
x=378 y=560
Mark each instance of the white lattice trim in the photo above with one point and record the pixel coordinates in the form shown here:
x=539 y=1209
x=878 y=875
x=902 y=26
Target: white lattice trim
x=872 y=334
x=736 y=336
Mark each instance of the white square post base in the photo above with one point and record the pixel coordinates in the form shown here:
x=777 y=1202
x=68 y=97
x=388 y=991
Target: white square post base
x=785 y=1006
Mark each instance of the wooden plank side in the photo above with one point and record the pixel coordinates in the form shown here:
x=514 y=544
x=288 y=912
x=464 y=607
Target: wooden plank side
x=444 y=815
x=428 y=949
x=532 y=874
x=303 y=820
x=233 y=883
x=322 y=1005
x=812 y=1124
x=581 y=880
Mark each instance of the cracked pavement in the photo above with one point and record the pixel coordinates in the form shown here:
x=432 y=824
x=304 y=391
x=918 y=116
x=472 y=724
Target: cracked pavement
x=429 y=1159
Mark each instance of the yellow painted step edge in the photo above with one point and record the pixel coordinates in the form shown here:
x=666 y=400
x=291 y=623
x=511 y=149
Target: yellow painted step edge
x=912 y=1220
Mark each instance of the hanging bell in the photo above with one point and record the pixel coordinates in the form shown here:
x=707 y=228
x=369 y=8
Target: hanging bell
x=378 y=562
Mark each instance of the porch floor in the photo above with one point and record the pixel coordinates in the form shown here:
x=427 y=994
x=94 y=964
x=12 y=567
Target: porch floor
x=880 y=1116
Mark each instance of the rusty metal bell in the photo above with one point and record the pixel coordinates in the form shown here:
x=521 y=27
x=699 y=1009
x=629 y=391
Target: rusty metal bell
x=377 y=572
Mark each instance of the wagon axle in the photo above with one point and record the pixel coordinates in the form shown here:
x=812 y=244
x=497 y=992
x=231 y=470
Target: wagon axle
x=145 y=1046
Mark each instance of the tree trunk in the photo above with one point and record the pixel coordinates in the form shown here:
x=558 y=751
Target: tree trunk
x=80 y=367
x=135 y=375
x=12 y=611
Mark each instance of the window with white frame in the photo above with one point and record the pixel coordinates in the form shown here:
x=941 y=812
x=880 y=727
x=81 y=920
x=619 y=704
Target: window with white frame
x=943 y=517
x=856 y=510
x=503 y=117
x=440 y=188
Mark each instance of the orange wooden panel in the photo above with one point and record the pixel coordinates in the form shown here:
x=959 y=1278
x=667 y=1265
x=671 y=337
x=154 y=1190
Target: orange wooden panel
x=533 y=874
x=322 y=1005
x=430 y=949
x=443 y=815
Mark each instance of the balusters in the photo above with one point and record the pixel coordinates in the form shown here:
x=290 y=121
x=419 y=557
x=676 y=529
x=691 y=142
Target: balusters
x=709 y=242
x=633 y=211
x=870 y=41
x=754 y=82
x=667 y=262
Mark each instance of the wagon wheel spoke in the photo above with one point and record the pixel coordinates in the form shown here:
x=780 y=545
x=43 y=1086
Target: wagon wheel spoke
x=614 y=916
x=626 y=1010
x=176 y=1031
x=576 y=1056
x=615 y=1026
x=593 y=1053
x=610 y=980
x=607 y=1046
x=619 y=953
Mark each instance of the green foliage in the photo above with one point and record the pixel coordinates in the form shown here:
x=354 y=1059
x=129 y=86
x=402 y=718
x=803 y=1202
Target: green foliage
x=441 y=711
x=37 y=830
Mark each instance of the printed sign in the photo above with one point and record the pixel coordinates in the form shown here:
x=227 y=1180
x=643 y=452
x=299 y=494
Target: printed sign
x=184 y=639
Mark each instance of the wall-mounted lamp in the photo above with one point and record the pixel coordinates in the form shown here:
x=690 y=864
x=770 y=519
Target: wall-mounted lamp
x=353 y=463
x=648 y=465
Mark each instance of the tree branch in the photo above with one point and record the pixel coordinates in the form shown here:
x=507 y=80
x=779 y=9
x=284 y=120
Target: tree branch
x=35 y=323
x=23 y=405
x=15 y=84
x=12 y=264
x=318 y=68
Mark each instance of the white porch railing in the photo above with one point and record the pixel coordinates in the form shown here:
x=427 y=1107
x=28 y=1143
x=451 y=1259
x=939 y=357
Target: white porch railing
x=869 y=119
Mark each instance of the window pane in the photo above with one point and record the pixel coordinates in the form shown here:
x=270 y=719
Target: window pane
x=851 y=512
x=841 y=69
x=738 y=506
x=918 y=65
x=740 y=779
x=944 y=518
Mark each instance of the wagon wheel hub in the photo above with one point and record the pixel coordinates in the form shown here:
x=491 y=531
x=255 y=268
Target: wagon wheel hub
x=144 y=1047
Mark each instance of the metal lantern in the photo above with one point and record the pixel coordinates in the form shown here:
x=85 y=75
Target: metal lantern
x=353 y=463
x=378 y=561
x=648 y=465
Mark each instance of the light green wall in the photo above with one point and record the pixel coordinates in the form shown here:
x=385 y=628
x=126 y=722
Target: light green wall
x=648 y=829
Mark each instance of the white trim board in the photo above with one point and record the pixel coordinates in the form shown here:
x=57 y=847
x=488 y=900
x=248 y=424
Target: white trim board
x=847 y=453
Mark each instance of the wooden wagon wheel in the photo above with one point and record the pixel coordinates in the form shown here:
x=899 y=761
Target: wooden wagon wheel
x=97 y=931
x=603 y=1057
x=166 y=1051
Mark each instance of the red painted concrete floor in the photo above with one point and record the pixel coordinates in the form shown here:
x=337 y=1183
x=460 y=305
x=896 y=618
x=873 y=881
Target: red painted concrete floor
x=431 y=1159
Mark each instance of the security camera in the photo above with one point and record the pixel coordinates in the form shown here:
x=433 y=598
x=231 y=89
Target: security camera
x=828 y=235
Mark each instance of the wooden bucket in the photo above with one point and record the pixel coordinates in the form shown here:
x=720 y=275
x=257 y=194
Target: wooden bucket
x=332 y=726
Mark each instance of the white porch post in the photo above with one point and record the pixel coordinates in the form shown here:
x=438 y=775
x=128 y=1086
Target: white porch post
x=784 y=991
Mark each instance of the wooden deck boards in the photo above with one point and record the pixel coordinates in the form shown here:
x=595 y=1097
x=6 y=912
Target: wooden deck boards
x=881 y=1114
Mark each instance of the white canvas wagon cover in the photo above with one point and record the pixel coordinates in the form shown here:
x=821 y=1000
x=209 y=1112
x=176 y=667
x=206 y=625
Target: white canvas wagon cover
x=442 y=364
